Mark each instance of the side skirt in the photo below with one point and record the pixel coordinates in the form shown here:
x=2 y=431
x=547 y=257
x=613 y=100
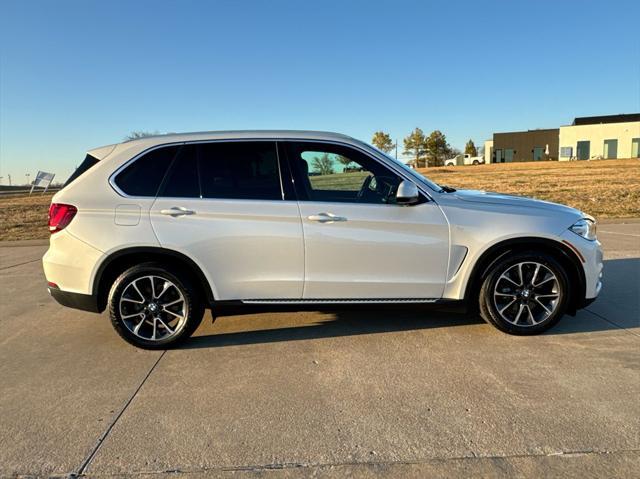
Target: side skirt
x=254 y=306
x=340 y=301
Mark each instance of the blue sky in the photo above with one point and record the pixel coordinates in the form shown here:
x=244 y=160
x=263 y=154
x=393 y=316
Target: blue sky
x=79 y=74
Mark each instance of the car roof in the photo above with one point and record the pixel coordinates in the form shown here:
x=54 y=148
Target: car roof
x=240 y=134
x=154 y=140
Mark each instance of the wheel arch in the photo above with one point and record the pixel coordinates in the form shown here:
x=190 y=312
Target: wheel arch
x=560 y=251
x=122 y=259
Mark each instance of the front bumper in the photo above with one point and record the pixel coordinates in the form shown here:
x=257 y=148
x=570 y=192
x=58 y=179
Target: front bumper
x=592 y=264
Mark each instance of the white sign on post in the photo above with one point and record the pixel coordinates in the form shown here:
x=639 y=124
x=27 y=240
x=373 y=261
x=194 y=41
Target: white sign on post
x=43 y=180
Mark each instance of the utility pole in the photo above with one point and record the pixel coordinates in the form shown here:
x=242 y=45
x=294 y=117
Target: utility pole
x=396 y=148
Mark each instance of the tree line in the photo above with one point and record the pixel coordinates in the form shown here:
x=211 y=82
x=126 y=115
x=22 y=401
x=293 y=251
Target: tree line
x=425 y=150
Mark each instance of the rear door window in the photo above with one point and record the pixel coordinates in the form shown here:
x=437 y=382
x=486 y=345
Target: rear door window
x=239 y=170
x=143 y=176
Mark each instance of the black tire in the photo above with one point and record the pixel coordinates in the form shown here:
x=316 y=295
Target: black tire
x=189 y=305
x=491 y=298
x=476 y=162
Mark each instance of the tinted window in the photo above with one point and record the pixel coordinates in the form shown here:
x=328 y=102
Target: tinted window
x=327 y=172
x=239 y=170
x=182 y=179
x=143 y=176
x=88 y=162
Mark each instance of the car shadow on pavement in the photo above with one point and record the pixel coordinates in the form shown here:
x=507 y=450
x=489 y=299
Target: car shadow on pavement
x=616 y=309
x=337 y=323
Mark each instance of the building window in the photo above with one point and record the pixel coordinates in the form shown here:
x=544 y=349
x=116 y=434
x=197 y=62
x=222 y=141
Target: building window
x=583 y=150
x=566 y=152
x=610 y=149
x=498 y=156
x=538 y=153
x=635 y=148
x=508 y=155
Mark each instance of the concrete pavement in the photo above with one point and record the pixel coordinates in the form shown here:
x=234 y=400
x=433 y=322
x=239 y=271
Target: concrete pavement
x=373 y=392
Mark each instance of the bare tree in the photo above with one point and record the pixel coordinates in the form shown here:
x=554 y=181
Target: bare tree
x=322 y=165
x=134 y=135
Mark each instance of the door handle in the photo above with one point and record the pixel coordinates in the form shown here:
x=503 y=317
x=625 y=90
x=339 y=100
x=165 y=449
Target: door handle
x=177 y=211
x=326 y=218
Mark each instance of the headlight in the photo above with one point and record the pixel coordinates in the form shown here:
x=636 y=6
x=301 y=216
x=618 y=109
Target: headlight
x=586 y=228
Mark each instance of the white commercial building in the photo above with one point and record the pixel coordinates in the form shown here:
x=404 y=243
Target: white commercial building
x=612 y=136
x=488 y=151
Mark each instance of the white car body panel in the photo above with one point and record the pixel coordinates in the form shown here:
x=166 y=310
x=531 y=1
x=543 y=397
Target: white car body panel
x=270 y=249
x=249 y=249
x=380 y=251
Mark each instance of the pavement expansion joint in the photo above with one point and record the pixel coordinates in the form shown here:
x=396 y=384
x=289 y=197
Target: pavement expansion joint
x=302 y=465
x=87 y=461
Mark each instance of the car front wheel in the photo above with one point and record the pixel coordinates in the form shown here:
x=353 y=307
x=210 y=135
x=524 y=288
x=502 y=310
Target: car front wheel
x=153 y=308
x=525 y=293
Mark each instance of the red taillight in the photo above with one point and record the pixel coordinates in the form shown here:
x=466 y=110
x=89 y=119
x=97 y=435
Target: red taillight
x=60 y=215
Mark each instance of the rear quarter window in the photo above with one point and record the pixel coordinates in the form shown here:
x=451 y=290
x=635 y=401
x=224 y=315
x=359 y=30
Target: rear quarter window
x=144 y=175
x=88 y=162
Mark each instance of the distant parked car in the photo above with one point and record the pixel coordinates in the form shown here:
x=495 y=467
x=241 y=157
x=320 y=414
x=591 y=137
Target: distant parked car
x=465 y=159
x=157 y=229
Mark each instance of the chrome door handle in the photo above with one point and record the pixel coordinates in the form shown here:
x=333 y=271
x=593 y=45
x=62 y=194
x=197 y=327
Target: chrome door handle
x=326 y=218
x=177 y=211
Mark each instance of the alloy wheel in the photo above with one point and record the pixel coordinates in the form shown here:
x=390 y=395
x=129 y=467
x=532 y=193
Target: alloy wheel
x=153 y=308
x=527 y=293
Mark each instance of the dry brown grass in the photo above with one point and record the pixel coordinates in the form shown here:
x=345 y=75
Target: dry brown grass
x=602 y=188
x=605 y=189
x=24 y=217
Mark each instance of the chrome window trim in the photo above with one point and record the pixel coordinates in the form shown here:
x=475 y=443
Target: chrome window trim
x=386 y=163
x=149 y=150
x=130 y=161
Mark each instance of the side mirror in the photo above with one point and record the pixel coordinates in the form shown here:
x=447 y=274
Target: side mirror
x=407 y=193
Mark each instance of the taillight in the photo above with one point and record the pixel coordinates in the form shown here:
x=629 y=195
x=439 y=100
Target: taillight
x=60 y=215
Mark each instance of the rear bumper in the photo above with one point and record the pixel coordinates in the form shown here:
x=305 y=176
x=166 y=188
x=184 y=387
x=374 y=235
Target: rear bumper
x=84 y=302
x=70 y=263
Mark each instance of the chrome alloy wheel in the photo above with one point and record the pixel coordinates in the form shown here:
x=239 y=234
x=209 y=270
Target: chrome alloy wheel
x=153 y=308
x=527 y=294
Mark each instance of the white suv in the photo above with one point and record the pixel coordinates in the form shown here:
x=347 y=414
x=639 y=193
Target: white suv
x=160 y=228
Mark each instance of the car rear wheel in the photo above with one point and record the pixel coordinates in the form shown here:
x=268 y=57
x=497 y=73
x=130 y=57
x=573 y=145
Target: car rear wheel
x=524 y=294
x=153 y=308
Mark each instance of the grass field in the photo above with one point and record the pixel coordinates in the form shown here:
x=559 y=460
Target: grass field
x=604 y=189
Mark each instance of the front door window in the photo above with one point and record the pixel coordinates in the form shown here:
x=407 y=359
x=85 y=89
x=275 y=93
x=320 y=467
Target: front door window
x=333 y=173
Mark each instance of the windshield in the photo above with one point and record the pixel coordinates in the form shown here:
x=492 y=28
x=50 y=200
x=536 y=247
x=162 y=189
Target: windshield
x=413 y=173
